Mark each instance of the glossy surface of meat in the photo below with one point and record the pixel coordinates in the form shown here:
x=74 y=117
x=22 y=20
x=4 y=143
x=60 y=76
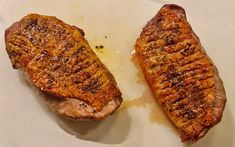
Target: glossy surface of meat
x=57 y=60
x=182 y=77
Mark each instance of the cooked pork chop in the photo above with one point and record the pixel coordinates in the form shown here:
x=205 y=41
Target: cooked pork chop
x=57 y=60
x=182 y=77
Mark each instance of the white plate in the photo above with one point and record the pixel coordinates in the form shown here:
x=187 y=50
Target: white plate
x=25 y=121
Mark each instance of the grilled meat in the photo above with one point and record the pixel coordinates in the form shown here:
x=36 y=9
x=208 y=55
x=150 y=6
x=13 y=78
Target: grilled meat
x=57 y=60
x=182 y=77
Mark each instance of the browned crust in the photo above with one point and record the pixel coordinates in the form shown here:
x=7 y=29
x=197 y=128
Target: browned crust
x=172 y=19
x=220 y=98
x=83 y=103
x=75 y=109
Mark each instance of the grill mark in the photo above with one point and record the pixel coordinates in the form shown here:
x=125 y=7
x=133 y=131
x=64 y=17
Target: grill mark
x=50 y=68
x=59 y=56
x=35 y=49
x=57 y=63
x=191 y=61
x=154 y=65
x=82 y=65
x=164 y=46
x=93 y=85
x=185 y=115
x=156 y=60
x=87 y=78
x=178 y=73
x=66 y=47
x=198 y=119
x=154 y=54
x=203 y=77
x=175 y=75
x=168 y=40
x=183 y=44
x=183 y=85
x=196 y=76
x=195 y=101
x=163 y=49
x=40 y=57
x=186 y=122
x=93 y=63
x=189 y=114
x=171 y=90
x=81 y=53
x=172 y=58
x=51 y=29
x=55 y=67
x=80 y=50
x=153 y=45
x=161 y=34
x=78 y=73
x=180 y=107
x=182 y=58
x=202 y=95
x=192 y=123
x=81 y=62
x=47 y=34
x=35 y=35
x=197 y=63
x=90 y=79
x=180 y=113
x=87 y=74
x=195 y=72
x=104 y=82
x=93 y=75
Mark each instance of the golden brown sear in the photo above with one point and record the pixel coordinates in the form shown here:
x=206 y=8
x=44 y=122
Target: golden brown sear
x=182 y=77
x=58 y=61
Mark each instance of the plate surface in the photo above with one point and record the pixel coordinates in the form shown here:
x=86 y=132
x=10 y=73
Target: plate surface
x=27 y=122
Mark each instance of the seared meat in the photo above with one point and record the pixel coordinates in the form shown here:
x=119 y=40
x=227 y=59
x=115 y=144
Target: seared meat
x=57 y=60
x=182 y=77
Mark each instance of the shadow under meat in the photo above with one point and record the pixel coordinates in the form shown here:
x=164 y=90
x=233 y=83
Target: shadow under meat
x=218 y=136
x=111 y=130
